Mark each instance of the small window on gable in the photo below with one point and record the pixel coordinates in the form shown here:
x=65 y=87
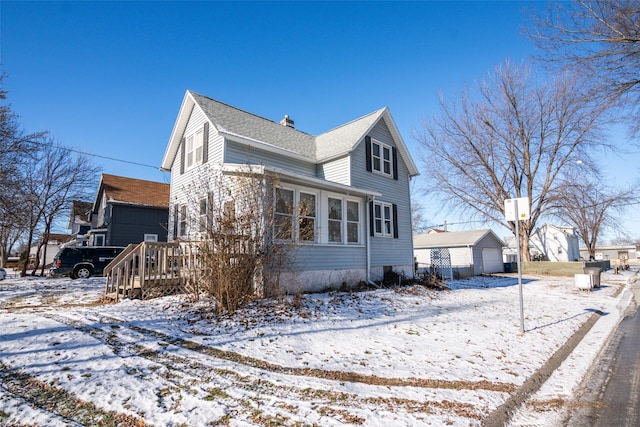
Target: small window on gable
x=382 y=158
x=194 y=149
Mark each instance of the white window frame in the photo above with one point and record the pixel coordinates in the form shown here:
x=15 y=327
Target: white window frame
x=295 y=215
x=385 y=220
x=194 y=149
x=203 y=210
x=98 y=239
x=182 y=224
x=384 y=164
x=348 y=221
x=309 y=216
x=148 y=237
x=340 y=220
x=344 y=220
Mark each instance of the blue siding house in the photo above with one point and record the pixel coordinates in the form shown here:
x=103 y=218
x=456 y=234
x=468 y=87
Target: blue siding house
x=355 y=177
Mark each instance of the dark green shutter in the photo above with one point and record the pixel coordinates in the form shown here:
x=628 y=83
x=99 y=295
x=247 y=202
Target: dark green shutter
x=367 y=142
x=395 y=221
x=182 y=156
x=394 y=158
x=205 y=143
x=371 y=220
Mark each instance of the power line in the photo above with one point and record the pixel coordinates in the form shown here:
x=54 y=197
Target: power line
x=98 y=155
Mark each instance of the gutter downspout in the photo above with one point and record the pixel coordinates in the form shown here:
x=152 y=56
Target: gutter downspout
x=370 y=199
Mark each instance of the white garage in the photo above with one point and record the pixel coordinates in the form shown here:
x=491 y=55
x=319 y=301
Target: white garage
x=470 y=253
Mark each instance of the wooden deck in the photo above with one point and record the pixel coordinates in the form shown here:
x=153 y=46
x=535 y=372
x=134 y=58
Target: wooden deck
x=149 y=270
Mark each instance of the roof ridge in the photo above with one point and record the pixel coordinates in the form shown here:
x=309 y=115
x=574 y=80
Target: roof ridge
x=249 y=113
x=354 y=120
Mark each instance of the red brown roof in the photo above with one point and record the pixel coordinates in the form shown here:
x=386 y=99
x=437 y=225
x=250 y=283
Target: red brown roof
x=135 y=191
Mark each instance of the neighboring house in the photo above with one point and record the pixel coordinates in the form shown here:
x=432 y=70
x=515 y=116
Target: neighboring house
x=128 y=210
x=52 y=247
x=354 y=178
x=547 y=243
x=604 y=253
x=80 y=220
x=469 y=253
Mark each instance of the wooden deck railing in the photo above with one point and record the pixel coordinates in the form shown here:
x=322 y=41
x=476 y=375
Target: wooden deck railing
x=149 y=269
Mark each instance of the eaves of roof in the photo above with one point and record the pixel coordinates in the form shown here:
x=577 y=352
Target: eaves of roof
x=248 y=128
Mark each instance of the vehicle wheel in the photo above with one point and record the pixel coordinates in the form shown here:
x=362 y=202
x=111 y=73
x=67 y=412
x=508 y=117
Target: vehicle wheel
x=82 y=272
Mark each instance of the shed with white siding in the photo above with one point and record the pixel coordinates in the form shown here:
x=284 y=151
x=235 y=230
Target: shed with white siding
x=471 y=252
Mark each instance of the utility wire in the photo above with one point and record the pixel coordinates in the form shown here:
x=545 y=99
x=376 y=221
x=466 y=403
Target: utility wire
x=97 y=155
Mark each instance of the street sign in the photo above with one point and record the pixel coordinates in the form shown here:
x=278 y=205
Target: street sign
x=517 y=209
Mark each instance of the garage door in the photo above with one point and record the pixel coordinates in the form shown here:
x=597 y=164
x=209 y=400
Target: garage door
x=492 y=260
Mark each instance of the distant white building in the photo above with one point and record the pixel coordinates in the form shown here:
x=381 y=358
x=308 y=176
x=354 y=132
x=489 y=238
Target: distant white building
x=547 y=243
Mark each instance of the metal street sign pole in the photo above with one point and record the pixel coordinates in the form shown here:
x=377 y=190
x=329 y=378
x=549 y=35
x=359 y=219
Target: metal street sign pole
x=518 y=210
x=519 y=269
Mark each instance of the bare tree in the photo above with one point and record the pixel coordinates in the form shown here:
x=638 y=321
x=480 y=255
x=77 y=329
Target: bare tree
x=229 y=221
x=53 y=177
x=590 y=207
x=598 y=38
x=512 y=141
x=15 y=148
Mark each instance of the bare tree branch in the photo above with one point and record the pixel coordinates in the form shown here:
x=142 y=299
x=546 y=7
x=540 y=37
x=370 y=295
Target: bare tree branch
x=512 y=140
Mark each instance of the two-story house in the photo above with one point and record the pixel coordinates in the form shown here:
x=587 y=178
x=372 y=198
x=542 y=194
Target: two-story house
x=354 y=179
x=128 y=210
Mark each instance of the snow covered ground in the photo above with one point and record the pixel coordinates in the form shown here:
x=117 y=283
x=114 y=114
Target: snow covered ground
x=408 y=356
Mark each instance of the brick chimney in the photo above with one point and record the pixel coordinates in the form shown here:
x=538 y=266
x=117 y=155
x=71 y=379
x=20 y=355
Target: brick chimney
x=286 y=121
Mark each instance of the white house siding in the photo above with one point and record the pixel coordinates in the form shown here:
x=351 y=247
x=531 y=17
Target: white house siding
x=460 y=257
x=386 y=251
x=244 y=154
x=338 y=170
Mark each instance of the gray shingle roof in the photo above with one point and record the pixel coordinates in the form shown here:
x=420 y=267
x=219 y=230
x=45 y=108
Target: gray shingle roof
x=235 y=121
x=451 y=239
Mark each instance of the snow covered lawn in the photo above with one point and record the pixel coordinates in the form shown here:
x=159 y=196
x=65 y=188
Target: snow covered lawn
x=390 y=357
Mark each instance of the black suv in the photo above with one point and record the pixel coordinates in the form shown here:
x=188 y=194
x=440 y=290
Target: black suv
x=83 y=261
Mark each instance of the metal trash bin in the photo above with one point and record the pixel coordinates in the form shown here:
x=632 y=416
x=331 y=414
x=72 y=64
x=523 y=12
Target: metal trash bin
x=595 y=273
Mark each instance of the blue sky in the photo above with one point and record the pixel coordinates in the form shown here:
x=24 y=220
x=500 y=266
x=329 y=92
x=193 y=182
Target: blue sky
x=108 y=77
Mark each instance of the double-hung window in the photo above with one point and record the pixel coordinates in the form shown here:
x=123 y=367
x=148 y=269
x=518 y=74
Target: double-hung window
x=283 y=214
x=204 y=214
x=294 y=215
x=383 y=219
x=381 y=158
x=307 y=217
x=343 y=221
x=353 y=222
x=194 y=149
x=335 y=220
x=183 y=221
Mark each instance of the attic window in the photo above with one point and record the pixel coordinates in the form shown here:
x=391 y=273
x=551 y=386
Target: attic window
x=194 y=149
x=381 y=158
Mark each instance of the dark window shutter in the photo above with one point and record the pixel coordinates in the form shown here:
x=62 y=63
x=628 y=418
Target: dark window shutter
x=205 y=143
x=182 y=156
x=175 y=221
x=367 y=144
x=394 y=158
x=371 y=220
x=395 y=221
